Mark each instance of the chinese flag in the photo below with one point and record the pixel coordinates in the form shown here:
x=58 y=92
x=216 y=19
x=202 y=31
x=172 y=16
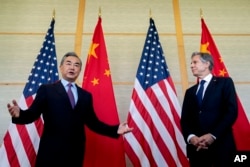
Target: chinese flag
x=241 y=127
x=101 y=150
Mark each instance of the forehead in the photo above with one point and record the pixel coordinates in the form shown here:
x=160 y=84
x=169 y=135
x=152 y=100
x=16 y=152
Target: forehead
x=72 y=59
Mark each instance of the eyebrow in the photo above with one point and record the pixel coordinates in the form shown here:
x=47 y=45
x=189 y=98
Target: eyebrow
x=68 y=61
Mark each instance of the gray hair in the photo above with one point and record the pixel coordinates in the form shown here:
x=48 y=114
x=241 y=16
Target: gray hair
x=73 y=54
x=205 y=57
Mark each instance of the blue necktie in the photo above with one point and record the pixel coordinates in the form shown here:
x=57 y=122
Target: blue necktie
x=200 y=92
x=71 y=96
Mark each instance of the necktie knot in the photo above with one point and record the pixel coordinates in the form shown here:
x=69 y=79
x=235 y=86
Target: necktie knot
x=202 y=82
x=71 y=96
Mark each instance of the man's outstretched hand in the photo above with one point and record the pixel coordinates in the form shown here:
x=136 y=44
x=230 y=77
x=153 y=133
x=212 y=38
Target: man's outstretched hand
x=13 y=109
x=123 y=128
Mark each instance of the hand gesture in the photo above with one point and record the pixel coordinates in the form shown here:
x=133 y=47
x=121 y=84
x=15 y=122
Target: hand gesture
x=14 y=109
x=202 y=142
x=123 y=128
x=206 y=140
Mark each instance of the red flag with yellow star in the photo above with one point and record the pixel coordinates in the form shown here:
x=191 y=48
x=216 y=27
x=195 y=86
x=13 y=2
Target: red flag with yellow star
x=101 y=150
x=241 y=127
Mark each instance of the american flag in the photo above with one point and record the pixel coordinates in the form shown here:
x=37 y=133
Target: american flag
x=154 y=111
x=20 y=143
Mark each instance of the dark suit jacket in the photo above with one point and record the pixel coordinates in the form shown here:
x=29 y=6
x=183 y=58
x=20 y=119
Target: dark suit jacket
x=217 y=114
x=63 y=138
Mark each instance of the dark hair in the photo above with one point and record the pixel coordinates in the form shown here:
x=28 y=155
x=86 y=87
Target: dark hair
x=205 y=57
x=73 y=54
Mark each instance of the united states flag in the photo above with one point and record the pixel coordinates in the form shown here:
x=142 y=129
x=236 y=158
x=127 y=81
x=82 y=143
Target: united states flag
x=154 y=112
x=21 y=142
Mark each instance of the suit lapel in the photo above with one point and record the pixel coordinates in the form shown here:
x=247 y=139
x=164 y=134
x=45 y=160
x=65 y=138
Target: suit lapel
x=78 y=94
x=60 y=88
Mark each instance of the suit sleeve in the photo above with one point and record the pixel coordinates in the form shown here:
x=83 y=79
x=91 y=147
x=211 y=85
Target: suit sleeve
x=189 y=116
x=229 y=106
x=35 y=110
x=95 y=124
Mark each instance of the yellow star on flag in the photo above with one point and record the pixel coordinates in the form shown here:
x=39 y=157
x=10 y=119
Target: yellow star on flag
x=107 y=73
x=221 y=60
x=204 y=48
x=95 y=81
x=222 y=72
x=92 y=50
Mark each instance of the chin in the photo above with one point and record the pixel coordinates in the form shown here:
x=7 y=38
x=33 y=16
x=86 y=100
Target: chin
x=196 y=75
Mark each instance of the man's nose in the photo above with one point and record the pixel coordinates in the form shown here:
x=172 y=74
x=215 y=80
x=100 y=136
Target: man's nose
x=72 y=66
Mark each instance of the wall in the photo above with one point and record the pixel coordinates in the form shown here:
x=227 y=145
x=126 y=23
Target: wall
x=23 y=25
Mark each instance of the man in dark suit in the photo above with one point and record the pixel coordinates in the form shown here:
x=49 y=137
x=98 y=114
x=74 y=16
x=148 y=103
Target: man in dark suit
x=207 y=127
x=63 y=139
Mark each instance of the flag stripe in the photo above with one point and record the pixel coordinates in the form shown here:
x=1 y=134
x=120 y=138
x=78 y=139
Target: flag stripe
x=31 y=142
x=174 y=111
x=38 y=124
x=173 y=103
x=33 y=129
x=19 y=154
x=154 y=122
x=154 y=111
x=151 y=144
x=159 y=119
x=166 y=117
x=133 y=142
x=9 y=150
x=25 y=139
x=142 y=156
x=4 y=157
x=21 y=142
x=39 y=127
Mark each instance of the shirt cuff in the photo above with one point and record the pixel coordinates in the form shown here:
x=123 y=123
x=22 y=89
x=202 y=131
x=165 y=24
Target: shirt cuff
x=213 y=136
x=189 y=137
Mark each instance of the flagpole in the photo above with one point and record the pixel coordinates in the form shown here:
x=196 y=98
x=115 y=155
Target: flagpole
x=100 y=12
x=54 y=14
x=79 y=27
x=201 y=13
x=180 y=46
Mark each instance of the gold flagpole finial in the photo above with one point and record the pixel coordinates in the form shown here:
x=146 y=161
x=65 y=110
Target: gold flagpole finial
x=54 y=14
x=100 y=12
x=150 y=13
x=201 y=13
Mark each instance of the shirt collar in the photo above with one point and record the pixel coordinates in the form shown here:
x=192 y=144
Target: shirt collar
x=207 y=78
x=65 y=83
